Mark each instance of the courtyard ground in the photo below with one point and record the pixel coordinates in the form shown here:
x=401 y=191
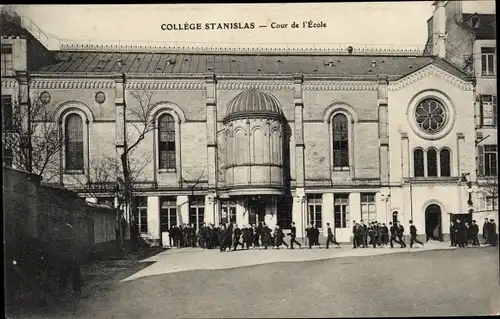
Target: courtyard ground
x=301 y=283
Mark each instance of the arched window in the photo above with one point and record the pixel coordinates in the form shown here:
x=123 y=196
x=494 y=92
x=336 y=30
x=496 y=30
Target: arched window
x=73 y=142
x=166 y=139
x=418 y=163
x=445 y=162
x=340 y=141
x=275 y=147
x=432 y=162
x=258 y=146
x=241 y=147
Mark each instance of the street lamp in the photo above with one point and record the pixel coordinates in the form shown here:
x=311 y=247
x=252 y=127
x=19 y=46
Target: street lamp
x=468 y=183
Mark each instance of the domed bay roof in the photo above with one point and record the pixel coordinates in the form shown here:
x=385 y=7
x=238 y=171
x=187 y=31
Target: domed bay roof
x=251 y=103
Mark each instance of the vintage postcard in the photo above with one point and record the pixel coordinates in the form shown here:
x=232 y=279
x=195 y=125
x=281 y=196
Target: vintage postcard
x=250 y=160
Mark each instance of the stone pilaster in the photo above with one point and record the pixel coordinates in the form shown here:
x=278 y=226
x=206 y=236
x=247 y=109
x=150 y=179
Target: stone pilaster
x=182 y=210
x=211 y=211
x=354 y=208
x=383 y=124
x=462 y=164
x=299 y=130
x=405 y=151
x=299 y=212
x=211 y=109
x=327 y=209
x=153 y=216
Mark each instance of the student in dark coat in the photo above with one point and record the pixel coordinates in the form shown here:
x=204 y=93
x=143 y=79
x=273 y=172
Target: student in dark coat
x=453 y=239
x=400 y=230
x=309 y=235
x=474 y=231
x=279 y=237
x=365 y=234
x=315 y=236
x=485 y=231
x=413 y=235
x=266 y=236
x=293 y=235
x=171 y=236
x=354 y=237
x=222 y=236
x=459 y=233
x=256 y=235
x=372 y=234
x=492 y=233
x=385 y=234
x=237 y=236
x=393 y=230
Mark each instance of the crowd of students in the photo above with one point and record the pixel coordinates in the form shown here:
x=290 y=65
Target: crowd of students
x=230 y=236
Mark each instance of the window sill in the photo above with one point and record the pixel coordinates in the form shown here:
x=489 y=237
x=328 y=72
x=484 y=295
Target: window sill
x=491 y=126
x=432 y=179
x=488 y=75
x=343 y=169
x=167 y=170
x=73 y=172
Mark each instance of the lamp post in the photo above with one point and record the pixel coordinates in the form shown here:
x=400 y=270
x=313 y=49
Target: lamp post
x=468 y=183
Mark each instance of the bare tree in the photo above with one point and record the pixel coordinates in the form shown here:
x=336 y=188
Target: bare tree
x=33 y=138
x=488 y=188
x=196 y=176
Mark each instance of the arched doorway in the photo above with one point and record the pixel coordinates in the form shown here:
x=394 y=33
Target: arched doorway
x=433 y=226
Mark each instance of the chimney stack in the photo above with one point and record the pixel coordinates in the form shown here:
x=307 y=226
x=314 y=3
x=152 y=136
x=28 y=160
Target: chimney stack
x=439 y=29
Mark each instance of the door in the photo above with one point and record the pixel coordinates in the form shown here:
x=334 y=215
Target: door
x=433 y=225
x=342 y=226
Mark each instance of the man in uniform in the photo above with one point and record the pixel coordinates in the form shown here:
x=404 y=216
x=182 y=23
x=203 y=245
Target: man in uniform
x=293 y=235
x=330 y=237
x=413 y=235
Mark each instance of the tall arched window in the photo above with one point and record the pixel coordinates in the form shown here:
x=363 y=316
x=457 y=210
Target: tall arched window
x=418 y=163
x=275 y=147
x=340 y=141
x=432 y=169
x=258 y=146
x=73 y=142
x=445 y=162
x=241 y=147
x=166 y=141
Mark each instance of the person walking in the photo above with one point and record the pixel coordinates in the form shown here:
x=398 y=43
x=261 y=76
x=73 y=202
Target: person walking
x=293 y=236
x=237 y=236
x=279 y=237
x=330 y=237
x=413 y=235
x=400 y=230
x=459 y=233
x=474 y=231
x=453 y=239
x=492 y=234
x=393 y=235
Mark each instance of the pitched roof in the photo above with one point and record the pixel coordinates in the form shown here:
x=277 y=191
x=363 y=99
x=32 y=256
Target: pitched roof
x=237 y=64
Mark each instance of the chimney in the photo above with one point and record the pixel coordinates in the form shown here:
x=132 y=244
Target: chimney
x=439 y=29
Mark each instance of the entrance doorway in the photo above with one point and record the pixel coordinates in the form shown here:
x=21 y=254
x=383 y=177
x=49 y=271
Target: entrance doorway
x=433 y=226
x=257 y=210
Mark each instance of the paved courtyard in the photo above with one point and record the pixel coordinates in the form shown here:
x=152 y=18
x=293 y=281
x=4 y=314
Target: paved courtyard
x=191 y=283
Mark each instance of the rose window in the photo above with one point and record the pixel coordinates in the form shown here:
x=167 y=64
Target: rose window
x=430 y=115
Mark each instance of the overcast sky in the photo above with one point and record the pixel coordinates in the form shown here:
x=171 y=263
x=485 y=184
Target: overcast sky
x=346 y=23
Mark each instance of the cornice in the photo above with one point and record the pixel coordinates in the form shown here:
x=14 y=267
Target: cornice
x=258 y=84
x=165 y=85
x=428 y=71
x=9 y=83
x=72 y=84
x=340 y=86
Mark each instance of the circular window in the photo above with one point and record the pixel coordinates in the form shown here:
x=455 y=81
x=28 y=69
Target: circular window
x=45 y=97
x=430 y=115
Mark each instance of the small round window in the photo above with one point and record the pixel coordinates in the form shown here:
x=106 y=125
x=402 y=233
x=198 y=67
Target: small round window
x=430 y=115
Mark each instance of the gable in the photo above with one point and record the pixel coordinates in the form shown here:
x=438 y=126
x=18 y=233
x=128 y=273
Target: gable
x=431 y=70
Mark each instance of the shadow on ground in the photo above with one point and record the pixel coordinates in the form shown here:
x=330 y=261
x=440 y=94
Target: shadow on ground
x=96 y=276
